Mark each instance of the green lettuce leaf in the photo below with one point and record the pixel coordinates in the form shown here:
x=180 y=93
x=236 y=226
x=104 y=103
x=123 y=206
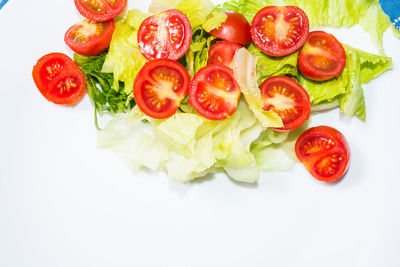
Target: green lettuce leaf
x=214 y=21
x=186 y=145
x=197 y=55
x=334 y=13
x=268 y=66
x=124 y=58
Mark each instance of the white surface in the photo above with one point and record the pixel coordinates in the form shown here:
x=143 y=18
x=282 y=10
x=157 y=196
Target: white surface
x=63 y=202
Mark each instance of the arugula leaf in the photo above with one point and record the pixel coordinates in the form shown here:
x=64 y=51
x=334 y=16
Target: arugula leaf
x=99 y=87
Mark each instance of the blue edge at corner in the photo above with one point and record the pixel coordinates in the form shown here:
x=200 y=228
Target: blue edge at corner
x=2 y=3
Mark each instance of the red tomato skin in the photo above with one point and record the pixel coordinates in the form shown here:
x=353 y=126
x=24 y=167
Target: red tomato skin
x=69 y=69
x=313 y=73
x=96 y=45
x=340 y=146
x=142 y=77
x=106 y=15
x=173 y=54
x=304 y=105
x=223 y=52
x=193 y=90
x=274 y=49
x=235 y=29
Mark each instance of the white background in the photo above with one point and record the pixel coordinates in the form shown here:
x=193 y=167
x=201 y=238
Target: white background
x=64 y=202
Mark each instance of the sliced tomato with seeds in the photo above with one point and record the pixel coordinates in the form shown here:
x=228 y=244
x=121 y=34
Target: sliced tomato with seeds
x=166 y=35
x=325 y=153
x=100 y=10
x=235 y=29
x=288 y=99
x=280 y=30
x=214 y=92
x=322 y=57
x=59 y=79
x=160 y=87
x=90 y=38
x=223 y=52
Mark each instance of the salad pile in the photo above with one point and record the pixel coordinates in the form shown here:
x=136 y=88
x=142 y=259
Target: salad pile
x=195 y=88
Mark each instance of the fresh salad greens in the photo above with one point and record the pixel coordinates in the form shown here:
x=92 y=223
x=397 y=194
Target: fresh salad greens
x=99 y=87
x=188 y=146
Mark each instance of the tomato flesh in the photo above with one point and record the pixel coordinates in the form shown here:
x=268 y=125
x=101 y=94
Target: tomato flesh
x=214 y=93
x=322 y=57
x=100 y=10
x=288 y=99
x=160 y=86
x=235 y=29
x=89 y=38
x=325 y=153
x=59 y=79
x=166 y=35
x=280 y=31
x=223 y=52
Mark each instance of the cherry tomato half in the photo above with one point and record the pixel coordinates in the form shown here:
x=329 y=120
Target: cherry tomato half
x=166 y=35
x=235 y=29
x=223 y=52
x=280 y=30
x=214 y=92
x=288 y=99
x=100 y=10
x=322 y=57
x=89 y=38
x=59 y=79
x=160 y=86
x=325 y=153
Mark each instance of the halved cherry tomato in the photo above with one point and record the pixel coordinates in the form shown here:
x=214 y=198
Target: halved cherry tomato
x=214 y=92
x=322 y=57
x=90 y=38
x=288 y=99
x=166 y=35
x=160 y=86
x=325 y=153
x=223 y=52
x=59 y=79
x=100 y=10
x=235 y=29
x=280 y=30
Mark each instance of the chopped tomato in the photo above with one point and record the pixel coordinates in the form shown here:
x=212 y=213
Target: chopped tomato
x=280 y=30
x=59 y=79
x=90 y=38
x=166 y=35
x=100 y=10
x=160 y=86
x=322 y=57
x=235 y=29
x=325 y=153
x=214 y=92
x=223 y=52
x=288 y=99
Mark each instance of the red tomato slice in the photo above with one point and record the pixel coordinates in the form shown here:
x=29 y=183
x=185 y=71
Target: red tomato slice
x=280 y=30
x=214 y=92
x=166 y=35
x=325 y=153
x=288 y=99
x=235 y=29
x=100 y=10
x=160 y=86
x=90 y=38
x=322 y=57
x=59 y=79
x=223 y=52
